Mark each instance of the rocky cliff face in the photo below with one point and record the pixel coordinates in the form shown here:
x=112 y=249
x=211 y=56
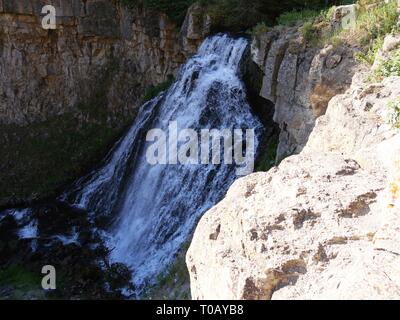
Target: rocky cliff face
x=67 y=94
x=300 y=80
x=324 y=224
x=98 y=45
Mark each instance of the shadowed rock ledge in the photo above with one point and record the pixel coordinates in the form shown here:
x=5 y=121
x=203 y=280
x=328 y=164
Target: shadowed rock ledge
x=300 y=80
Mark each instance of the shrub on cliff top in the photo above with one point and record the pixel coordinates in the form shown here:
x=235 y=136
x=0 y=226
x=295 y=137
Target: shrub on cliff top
x=376 y=22
x=230 y=15
x=390 y=67
x=394 y=114
x=292 y=17
x=258 y=29
x=239 y=15
x=153 y=91
x=372 y=24
x=175 y=9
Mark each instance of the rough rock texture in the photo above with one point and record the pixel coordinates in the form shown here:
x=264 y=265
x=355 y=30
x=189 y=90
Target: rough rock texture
x=300 y=80
x=47 y=72
x=325 y=224
x=341 y=12
x=67 y=95
x=391 y=42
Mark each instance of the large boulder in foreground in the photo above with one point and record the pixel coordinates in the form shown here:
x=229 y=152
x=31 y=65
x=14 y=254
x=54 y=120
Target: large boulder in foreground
x=325 y=224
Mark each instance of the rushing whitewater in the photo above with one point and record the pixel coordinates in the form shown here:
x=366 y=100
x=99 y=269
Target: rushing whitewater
x=155 y=207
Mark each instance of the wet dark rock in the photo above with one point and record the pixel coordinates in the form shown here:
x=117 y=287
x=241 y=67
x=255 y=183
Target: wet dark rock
x=82 y=268
x=8 y=227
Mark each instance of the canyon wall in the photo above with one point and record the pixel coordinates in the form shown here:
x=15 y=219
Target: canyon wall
x=300 y=80
x=98 y=45
x=66 y=95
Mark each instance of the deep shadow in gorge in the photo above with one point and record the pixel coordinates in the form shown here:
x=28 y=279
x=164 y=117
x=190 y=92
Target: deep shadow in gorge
x=264 y=109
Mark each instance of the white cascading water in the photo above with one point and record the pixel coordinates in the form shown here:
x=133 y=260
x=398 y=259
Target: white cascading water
x=157 y=206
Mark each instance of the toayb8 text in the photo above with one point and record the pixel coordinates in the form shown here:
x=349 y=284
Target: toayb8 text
x=203 y=309
x=221 y=309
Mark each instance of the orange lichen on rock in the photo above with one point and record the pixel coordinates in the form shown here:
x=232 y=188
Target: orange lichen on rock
x=394 y=187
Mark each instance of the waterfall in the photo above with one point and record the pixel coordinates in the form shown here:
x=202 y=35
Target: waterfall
x=155 y=207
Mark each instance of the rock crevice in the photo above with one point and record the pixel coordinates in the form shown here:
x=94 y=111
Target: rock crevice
x=300 y=80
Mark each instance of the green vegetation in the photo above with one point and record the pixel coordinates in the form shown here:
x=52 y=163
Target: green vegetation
x=290 y=18
x=370 y=54
x=371 y=27
x=394 y=115
x=241 y=15
x=153 y=91
x=39 y=159
x=236 y=15
x=259 y=29
x=308 y=30
x=20 y=283
x=267 y=158
x=376 y=22
x=174 y=284
x=43 y=157
x=230 y=15
x=389 y=67
x=372 y=24
x=175 y=9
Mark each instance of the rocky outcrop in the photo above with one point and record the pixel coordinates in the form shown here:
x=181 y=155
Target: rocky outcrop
x=343 y=16
x=324 y=224
x=300 y=80
x=97 y=45
x=66 y=95
x=390 y=43
x=195 y=28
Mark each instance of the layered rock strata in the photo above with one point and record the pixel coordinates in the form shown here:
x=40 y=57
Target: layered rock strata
x=48 y=72
x=300 y=80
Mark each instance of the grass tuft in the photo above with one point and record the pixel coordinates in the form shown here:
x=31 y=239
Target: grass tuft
x=153 y=91
x=23 y=284
x=389 y=67
x=174 y=284
x=394 y=114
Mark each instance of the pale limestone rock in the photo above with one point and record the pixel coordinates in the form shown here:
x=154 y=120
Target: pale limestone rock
x=343 y=16
x=260 y=47
x=356 y=123
x=292 y=229
x=197 y=24
x=325 y=224
x=390 y=43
